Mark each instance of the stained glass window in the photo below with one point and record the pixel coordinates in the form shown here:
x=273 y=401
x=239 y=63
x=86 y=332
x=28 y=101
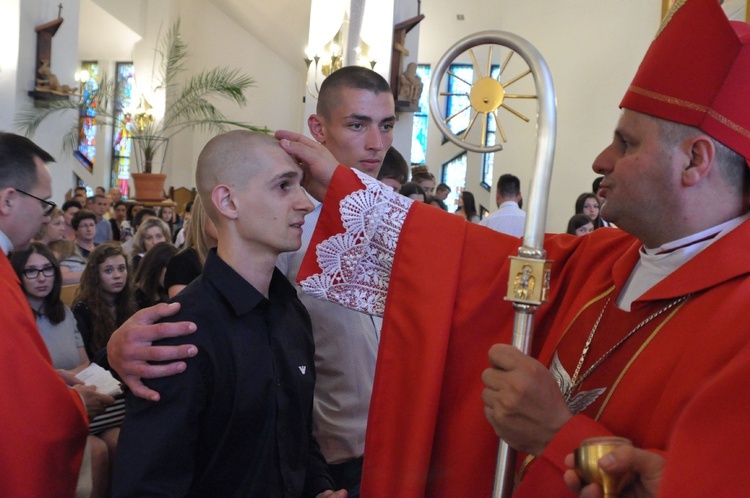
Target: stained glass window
x=454 y=175
x=121 y=143
x=460 y=79
x=421 y=118
x=87 y=123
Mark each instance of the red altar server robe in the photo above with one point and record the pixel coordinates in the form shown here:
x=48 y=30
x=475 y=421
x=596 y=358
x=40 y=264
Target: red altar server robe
x=43 y=423
x=427 y=434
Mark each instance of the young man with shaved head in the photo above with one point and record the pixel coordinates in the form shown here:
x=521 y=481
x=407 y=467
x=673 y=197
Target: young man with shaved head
x=354 y=120
x=237 y=422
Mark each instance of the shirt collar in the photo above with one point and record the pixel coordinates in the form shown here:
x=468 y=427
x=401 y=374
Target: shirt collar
x=238 y=292
x=5 y=243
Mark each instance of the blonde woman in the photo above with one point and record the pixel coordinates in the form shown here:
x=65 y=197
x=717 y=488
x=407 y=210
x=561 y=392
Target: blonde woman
x=184 y=267
x=150 y=232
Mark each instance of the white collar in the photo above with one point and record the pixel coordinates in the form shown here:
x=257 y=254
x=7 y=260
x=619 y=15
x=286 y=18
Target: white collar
x=657 y=263
x=5 y=243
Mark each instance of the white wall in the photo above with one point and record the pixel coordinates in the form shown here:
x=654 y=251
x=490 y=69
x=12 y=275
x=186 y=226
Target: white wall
x=275 y=102
x=593 y=48
x=14 y=88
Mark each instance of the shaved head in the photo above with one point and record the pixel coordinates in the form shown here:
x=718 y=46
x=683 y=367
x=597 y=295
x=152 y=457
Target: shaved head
x=232 y=159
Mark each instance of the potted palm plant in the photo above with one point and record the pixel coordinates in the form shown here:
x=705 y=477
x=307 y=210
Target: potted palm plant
x=188 y=105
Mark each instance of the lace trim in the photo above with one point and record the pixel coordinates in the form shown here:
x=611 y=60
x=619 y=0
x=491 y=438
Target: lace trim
x=356 y=265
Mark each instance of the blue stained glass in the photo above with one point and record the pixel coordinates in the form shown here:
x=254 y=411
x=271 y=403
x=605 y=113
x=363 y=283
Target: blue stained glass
x=421 y=118
x=121 y=143
x=459 y=86
x=88 y=109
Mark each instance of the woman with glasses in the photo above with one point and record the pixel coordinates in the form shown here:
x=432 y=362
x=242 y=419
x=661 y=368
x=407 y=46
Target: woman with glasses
x=41 y=280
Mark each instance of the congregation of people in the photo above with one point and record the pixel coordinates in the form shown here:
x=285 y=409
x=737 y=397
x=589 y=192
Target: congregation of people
x=259 y=378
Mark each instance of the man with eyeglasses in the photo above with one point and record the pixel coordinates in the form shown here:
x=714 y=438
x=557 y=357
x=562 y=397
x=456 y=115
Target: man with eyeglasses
x=43 y=423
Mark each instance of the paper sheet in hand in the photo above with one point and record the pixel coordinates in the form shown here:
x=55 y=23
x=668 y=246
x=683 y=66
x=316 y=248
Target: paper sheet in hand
x=94 y=375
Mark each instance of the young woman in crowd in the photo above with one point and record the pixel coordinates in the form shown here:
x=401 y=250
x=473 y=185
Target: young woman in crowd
x=119 y=222
x=186 y=265
x=41 y=280
x=425 y=179
x=149 y=233
x=167 y=214
x=104 y=300
x=580 y=224
x=467 y=207
x=588 y=204
x=412 y=190
x=149 y=278
x=54 y=230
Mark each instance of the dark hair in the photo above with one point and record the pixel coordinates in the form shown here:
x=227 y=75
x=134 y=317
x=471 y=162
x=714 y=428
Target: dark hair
x=121 y=203
x=410 y=188
x=579 y=207
x=595 y=185
x=577 y=221
x=442 y=187
x=99 y=196
x=90 y=293
x=394 y=166
x=53 y=307
x=83 y=214
x=420 y=173
x=470 y=206
x=440 y=204
x=508 y=185
x=138 y=218
x=69 y=204
x=149 y=272
x=189 y=206
x=17 y=166
x=356 y=77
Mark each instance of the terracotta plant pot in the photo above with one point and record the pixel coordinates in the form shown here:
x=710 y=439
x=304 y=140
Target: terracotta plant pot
x=149 y=186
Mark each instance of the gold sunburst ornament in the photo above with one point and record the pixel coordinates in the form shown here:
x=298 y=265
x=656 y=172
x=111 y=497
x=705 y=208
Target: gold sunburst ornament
x=487 y=96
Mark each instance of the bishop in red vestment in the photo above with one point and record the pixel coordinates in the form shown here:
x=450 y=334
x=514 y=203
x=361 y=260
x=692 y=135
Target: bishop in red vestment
x=635 y=326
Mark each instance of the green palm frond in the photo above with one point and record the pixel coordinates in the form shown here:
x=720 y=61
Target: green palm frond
x=189 y=104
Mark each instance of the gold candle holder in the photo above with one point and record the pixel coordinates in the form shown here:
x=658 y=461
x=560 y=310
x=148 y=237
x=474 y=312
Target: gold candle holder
x=587 y=463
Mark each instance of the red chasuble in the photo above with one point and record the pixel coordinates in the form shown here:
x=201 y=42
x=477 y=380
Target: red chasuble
x=43 y=423
x=427 y=434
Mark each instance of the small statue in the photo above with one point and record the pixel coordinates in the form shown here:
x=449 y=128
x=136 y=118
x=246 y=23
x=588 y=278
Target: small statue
x=410 y=85
x=48 y=82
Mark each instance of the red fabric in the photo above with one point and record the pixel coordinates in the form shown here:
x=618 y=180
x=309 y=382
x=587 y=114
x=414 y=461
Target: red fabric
x=710 y=443
x=698 y=39
x=427 y=434
x=43 y=424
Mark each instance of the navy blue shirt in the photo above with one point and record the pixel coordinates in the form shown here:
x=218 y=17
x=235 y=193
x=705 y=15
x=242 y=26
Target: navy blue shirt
x=237 y=422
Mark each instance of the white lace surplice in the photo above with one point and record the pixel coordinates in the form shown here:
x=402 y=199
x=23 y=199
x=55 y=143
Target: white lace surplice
x=356 y=265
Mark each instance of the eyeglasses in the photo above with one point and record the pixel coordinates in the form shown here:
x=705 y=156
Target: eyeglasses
x=33 y=273
x=47 y=206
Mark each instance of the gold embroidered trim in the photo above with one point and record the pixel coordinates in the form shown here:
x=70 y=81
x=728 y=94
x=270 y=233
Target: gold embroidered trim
x=730 y=124
x=693 y=107
x=521 y=471
x=635 y=356
x=669 y=100
x=584 y=308
x=672 y=10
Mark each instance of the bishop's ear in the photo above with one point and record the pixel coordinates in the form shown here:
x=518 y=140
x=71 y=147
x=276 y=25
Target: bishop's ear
x=701 y=153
